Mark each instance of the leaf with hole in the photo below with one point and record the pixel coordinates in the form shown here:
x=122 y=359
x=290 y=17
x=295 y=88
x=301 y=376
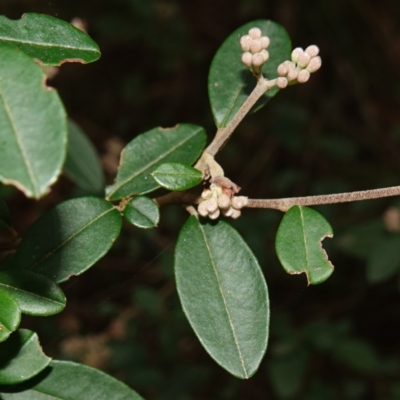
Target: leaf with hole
x=176 y=176
x=142 y=212
x=298 y=244
x=223 y=294
x=183 y=143
x=34 y=293
x=21 y=358
x=32 y=125
x=230 y=82
x=66 y=380
x=70 y=238
x=49 y=40
x=10 y=316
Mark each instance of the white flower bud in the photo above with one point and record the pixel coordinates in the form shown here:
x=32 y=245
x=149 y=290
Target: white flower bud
x=292 y=74
x=256 y=46
x=246 y=59
x=282 y=70
x=303 y=76
x=296 y=53
x=215 y=214
x=238 y=202
x=228 y=212
x=206 y=194
x=245 y=42
x=303 y=60
x=312 y=50
x=212 y=205
x=265 y=55
x=224 y=201
x=202 y=209
x=314 y=64
x=257 y=60
x=255 y=33
x=236 y=214
x=281 y=82
x=264 y=40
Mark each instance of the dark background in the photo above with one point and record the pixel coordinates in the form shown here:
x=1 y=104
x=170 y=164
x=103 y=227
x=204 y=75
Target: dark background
x=340 y=132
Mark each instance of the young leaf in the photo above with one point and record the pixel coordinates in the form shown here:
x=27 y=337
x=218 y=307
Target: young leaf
x=21 y=358
x=142 y=212
x=10 y=316
x=49 y=40
x=70 y=238
x=298 y=244
x=176 y=176
x=230 y=82
x=83 y=165
x=66 y=380
x=32 y=125
x=223 y=294
x=34 y=293
x=146 y=152
x=5 y=217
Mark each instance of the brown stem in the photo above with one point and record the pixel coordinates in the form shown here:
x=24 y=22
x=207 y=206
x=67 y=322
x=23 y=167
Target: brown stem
x=177 y=198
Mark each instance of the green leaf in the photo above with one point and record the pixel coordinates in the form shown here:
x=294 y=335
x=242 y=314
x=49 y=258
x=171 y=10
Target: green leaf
x=48 y=40
x=32 y=125
x=142 y=212
x=70 y=238
x=230 y=82
x=298 y=244
x=223 y=294
x=10 y=316
x=176 y=176
x=21 y=358
x=147 y=151
x=5 y=217
x=66 y=380
x=83 y=165
x=34 y=293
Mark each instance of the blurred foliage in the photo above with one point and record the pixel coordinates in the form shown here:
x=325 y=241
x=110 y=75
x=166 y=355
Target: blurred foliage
x=340 y=132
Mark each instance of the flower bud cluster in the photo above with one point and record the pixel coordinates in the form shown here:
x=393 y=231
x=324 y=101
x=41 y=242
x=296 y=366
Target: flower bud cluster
x=255 y=47
x=298 y=70
x=215 y=202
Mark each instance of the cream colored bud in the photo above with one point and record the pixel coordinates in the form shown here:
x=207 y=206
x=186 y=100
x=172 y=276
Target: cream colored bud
x=255 y=33
x=224 y=201
x=212 y=205
x=245 y=42
x=202 y=209
x=292 y=74
x=215 y=214
x=236 y=214
x=206 y=194
x=228 y=212
x=256 y=46
x=296 y=53
x=314 y=64
x=257 y=60
x=265 y=55
x=303 y=76
x=246 y=59
x=304 y=59
x=281 y=82
x=238 y=202
x=282 y=70
x=312 y=50
x=264 y=40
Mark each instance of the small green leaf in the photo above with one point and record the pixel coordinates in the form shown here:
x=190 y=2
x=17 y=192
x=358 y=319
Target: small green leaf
x=34 y=293
x=48 y=39
x=83 y=165
x=176 y=176
x=32 y=125
x=66 y=380
x=21 y=358
x=298 y=244
x=10 y=316
x=230 y=82
x=223 y=294
x=142 y=212
x=70 y=238
x=5 y=217
x=147 y=151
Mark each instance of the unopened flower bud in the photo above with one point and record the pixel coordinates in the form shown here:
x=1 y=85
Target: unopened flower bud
x=292 y=74
x=224 y=201
x=228 y=212
x=202 y=209
x=212 y=205
x=206 y=194
x=312 y=50
x=303 y=76
x=281 y=82
x=215 y=214
x=265 y=55
x=256 y=46
x=296 y=53
x=314 y=64
x=257 y=60
x=303 y=60
x=282 y=70
x=245 y=42
x=246 y=59
x=255 y=33
x=264 y=40
x=236 y=214
x=238 y=202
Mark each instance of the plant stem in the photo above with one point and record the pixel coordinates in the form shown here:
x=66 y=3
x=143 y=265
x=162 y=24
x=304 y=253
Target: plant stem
x=286 y=203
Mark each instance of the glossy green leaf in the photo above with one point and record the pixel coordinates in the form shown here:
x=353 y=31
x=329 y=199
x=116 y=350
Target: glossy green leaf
x=48 y=39
x=176 y=176
x=230 y=82
x=223 y=294
x=142 y=212
x=34 y=293
x=21 y=358
x=70 y=238
x=10 y=316
x=66 y=380
x=183 y=143
x=83 y=165
x=298 y=244
x=5 y=217
x=32 y=125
